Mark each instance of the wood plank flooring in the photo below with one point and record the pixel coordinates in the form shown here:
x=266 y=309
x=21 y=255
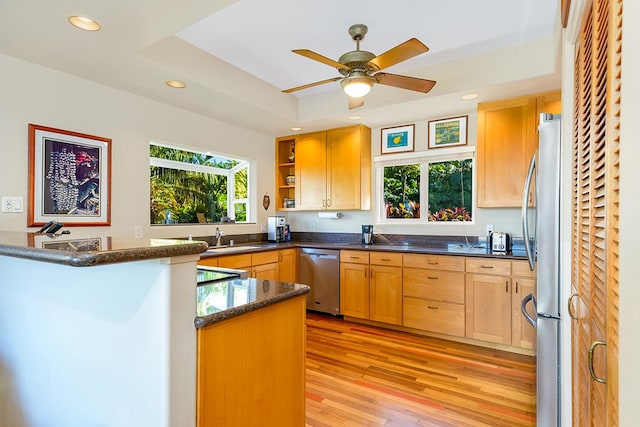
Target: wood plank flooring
x=359 y=375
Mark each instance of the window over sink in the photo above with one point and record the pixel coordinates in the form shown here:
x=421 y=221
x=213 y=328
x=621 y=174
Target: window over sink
x=190 y=187
x=423 y=188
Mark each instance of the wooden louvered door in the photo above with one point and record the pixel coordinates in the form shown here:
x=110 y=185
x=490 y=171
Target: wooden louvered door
x=595 y=149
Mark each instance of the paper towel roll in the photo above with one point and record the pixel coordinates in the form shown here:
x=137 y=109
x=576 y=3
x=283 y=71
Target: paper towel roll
x=330 y=215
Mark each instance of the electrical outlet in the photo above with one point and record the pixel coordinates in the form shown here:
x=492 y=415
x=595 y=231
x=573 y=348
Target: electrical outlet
x=489 y=229
x=263 y=228
x=137 y=231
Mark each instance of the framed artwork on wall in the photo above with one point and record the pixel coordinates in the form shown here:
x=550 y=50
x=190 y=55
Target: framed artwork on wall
x=69 y=178
x=448 y=132
x=397 y=139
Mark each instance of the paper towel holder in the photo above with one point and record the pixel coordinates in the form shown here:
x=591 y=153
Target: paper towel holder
x=330 y=215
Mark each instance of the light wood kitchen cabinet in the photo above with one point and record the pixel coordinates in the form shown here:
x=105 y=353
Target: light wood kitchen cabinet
x=433 y=293
x=385 y=298
x=209 y=261
x=285 y=173
x=237 y=261
x=333 y=169
x=493 y=297
x=264 y=265
x=524 y=283
x=371 y=286
x=354 y=289
x=261 y=265
x=288 y=265
x=507 y=139
x=257 y=377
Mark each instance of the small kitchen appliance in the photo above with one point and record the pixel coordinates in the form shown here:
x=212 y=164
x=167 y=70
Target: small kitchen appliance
x=367 y=234
x=275 y=229
x=500 y=242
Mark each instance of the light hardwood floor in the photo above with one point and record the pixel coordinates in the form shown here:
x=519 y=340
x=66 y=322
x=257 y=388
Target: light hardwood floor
x=359 y=375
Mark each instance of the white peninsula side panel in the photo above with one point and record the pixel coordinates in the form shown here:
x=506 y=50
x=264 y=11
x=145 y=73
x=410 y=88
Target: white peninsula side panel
x=108 y=345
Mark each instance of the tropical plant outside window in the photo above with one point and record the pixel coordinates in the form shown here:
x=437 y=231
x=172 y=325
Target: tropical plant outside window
x=447 y=190
x=188 y=187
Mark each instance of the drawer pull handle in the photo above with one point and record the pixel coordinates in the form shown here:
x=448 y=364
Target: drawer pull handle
x=354 y=257
x=432 y=262
x=486 y=266
x=385 y=259
x=431 y=307
x=432 y=277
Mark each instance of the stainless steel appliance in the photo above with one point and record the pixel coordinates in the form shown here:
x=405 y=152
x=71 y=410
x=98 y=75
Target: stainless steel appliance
x=542 y=245
x=500 y=242
x=275 y=228
x=320 y=269
x=367 y=234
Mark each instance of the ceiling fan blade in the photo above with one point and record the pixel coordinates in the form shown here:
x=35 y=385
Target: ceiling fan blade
x=321 y=82
x=355 y=102
x=405 y=82
x=402 y=52
x=320 y=58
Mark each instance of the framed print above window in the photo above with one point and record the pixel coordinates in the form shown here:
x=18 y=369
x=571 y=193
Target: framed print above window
x=69 y=178
x=397 y=139
x=448 y=132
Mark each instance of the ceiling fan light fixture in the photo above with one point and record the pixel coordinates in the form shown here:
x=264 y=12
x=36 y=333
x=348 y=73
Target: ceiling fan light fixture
x=357 y=85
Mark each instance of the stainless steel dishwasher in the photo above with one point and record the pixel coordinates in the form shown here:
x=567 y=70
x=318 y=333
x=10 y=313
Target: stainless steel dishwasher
x=320 y=269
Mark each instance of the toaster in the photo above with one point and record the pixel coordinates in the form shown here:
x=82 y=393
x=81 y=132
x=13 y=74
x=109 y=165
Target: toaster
x=500 y=242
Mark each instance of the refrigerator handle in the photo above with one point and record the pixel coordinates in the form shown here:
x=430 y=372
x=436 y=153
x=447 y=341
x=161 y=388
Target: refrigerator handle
x=525 y=213
x=523 y=307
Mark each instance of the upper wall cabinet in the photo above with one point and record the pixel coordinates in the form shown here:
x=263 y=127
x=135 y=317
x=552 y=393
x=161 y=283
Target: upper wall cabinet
x=507 y=139
x=331 y=170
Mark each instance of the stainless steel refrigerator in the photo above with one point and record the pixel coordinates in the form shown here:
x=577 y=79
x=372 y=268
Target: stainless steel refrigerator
x=541 y=231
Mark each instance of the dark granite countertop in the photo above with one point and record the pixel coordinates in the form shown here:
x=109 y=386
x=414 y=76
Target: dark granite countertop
x=225 y=299
x=84 y=251
x=463 y=249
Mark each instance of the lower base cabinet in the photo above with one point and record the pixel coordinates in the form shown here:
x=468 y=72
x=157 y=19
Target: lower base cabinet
x=257 y=377
x=434 y=316
x=371 y=286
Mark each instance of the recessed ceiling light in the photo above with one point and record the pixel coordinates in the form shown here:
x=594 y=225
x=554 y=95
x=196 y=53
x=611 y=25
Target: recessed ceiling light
x=176 y=84
x=469 y=96
x=355 y=117
x=296 y=129
x=84 y=23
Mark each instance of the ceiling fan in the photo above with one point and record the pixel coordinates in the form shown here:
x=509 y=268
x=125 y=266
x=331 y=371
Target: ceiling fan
x=361 y=69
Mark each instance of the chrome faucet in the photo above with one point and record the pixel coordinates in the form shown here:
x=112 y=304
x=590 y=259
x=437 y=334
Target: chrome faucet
x=219 y=234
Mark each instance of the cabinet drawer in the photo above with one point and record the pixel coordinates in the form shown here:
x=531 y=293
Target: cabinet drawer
x=266 y=257
x=354 y=257
x=488 y=266
x=521 y=269
x=436 y=285
x=434 y=316
x=435 y=262
x=210 y=261
x=385 y=258
x=241 y=261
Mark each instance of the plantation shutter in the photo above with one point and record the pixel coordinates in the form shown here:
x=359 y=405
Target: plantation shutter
x=595 y=150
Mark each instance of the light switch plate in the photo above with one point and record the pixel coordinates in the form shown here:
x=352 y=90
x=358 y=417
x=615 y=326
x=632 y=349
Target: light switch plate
x=12 y=204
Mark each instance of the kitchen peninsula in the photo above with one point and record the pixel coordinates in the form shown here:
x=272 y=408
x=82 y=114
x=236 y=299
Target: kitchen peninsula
x=101 y=330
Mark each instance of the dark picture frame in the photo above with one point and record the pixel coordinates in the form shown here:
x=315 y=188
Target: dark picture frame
x=69 y=178
x=447 y=132
x=397 y=139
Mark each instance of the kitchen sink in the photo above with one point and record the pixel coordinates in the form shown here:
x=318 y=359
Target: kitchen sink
x=225 y=249
x=470 y=249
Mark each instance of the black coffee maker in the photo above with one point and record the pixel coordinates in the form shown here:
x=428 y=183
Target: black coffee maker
x=367 y=234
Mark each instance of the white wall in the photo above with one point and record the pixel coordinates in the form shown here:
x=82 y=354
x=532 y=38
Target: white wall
x=33 y=94
x=629 y=369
